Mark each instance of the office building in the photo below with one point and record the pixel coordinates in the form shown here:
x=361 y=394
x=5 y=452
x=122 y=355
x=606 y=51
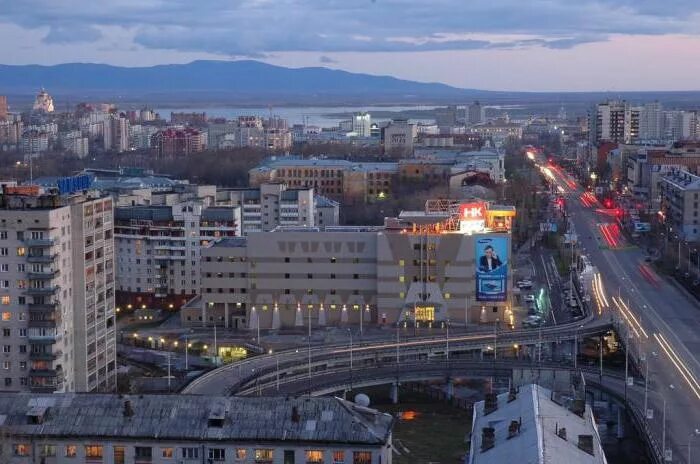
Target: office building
x=475 y=113
x=362 y=125
x=418 y=268
x=188 y=429
x=3 y=108
x=533 y=425
x=57 y=291
x=398 y=137
x=345 y=181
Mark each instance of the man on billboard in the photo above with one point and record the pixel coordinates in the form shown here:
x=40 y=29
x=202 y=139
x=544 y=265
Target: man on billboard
x=489 y=260
x=492 y=268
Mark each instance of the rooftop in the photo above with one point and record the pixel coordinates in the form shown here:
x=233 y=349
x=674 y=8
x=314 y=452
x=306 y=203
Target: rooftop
x=190 y=417
x=534 y=428
x=230 y=242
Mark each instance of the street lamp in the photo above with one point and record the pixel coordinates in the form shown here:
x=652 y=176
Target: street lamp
x=350 y=333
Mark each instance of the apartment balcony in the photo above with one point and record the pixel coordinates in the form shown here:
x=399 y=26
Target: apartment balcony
x=50 y=321
x=44 y=339
x=44 y=275
x=42 y=259
x=45 y=380
x=50 y=356
x=40 y=242
x=43 y=291
x=44 y=307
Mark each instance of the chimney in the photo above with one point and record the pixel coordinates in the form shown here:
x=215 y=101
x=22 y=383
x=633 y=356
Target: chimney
x=490 y=403
x=512 y=394
x=488 y=438
x=561 y=433
x=128 y=410
x=513 y=429
x=295 y=414
x=585 y=443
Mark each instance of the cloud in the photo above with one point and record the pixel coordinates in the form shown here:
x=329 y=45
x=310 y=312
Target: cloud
x=327 y=60
x=256 y=28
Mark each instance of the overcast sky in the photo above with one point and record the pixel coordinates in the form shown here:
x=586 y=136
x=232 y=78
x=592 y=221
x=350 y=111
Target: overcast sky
x=487 y=44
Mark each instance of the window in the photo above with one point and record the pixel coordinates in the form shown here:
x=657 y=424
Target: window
x=21 y=449
x=6 y=315
x=21 y=251
x=3 y=235
x=6 y=349
x=5 y=300
x=119 y=455
x=314 y=456
x=166 y=452
x=4 y=267
x=190 y=453
x=93 y=452
x=402 y=278
x=361 y=457
x=71 y=451
x=241 y=454
x=338 y=457
x=143 y=453
x=217 y=454
x=6 y=332
x=6 y=365
x=47 y=450
x=4 y=251
x=263 y=455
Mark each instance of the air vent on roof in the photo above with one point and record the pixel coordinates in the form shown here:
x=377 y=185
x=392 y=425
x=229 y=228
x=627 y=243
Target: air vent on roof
x=585 y=443
x=490 y=403
x=37 y=414
x=488 y=438
x=217 y=416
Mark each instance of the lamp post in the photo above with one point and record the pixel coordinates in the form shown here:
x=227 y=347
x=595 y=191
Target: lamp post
x=350 y=333
x=187 y=345
x=447 y=341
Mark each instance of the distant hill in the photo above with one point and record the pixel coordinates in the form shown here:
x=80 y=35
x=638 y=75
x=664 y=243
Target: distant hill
x=207 y=79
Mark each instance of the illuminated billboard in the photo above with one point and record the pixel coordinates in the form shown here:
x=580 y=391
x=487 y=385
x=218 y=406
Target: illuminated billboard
x=491 y=254
x=472 y=217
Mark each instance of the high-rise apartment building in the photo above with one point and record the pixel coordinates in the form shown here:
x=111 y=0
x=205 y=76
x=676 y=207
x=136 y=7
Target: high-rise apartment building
x=362 y=124
x=3 y=108
x=56 y=291
x=614 y=121
x=475 y=113
x=651 y=122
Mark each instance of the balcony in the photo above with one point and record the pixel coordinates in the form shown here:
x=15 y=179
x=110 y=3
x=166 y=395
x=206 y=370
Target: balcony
x=45 y=307
x=44 y=275
x=40 y=242
x=50 y=356
x=42 y=291
x=44 y=339
x=42 y=259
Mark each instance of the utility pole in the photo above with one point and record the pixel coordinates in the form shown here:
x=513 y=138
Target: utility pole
x=447 y=343
x=309 y=344
x=186 y=350
x=168 y=371
x=627 y=360
x=350 y=332
x=646 y=387
x=216 y=350
x=601 y=359
x=663 y=431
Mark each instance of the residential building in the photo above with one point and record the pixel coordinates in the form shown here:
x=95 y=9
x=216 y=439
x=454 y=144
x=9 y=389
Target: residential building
x=419 y=268
x=11 y=131
x=475 y=113
x=681 y=125
x=189 y=429
x=140 y=136
x=3 y=108
x=534 y=425
x=116 y=133
x=73 y=142
x=398 y=137
x=446 y=118
x=34 y=142
x=680 y=200
x=188 y=119
x=615 y=121
x=57 y=291
x=174 y=142
x=498 y=131
x=651 y=121
x=269 y=205
x=158 y=247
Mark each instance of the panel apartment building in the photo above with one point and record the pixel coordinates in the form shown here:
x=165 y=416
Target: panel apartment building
x=418 y=268
x=56 y=291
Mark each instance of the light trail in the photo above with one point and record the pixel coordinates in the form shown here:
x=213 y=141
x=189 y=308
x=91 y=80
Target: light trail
x=679 y=364
x=630 y=318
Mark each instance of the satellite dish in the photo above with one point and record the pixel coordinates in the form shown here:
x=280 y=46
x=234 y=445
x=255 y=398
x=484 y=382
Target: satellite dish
x=362 y=400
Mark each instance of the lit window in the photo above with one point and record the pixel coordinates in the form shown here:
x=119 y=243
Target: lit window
x=241 y=454
x=6 y=315
x=48 y=450
x=402 y=278
x=21 y=251
x=263 y=455
x=21 y=449
x=338 y=457
x=314 y=456
x=362 y=457
x=402 y=294
x=93 y=452
x=447 y=296
x=71 y=451
x=5 y=299
x=401 y=263
x=167 y=452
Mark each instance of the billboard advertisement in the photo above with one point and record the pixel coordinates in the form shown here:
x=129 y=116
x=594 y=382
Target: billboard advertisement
x=472 y=217
x=491 y=254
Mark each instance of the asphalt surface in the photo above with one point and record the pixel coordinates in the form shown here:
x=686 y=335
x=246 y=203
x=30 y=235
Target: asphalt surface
x=665 y=329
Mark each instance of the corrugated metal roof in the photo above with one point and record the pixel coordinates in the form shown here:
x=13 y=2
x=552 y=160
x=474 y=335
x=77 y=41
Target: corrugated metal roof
x=187 y=417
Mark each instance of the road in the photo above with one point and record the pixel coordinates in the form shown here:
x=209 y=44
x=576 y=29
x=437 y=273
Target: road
x=663 y=320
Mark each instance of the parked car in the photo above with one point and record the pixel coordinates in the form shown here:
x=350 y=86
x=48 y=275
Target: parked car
x=524 y=284
x=533 y=321
x=529 y=298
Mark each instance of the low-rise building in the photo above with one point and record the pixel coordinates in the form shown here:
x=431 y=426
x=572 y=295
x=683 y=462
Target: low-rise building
x=533 y=425
x=188 y=429
x=423 y=267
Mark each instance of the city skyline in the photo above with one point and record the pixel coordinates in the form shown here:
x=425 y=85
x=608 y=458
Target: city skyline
x=509 y=46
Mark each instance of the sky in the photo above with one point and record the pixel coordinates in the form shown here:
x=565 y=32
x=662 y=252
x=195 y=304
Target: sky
x=539 y=45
